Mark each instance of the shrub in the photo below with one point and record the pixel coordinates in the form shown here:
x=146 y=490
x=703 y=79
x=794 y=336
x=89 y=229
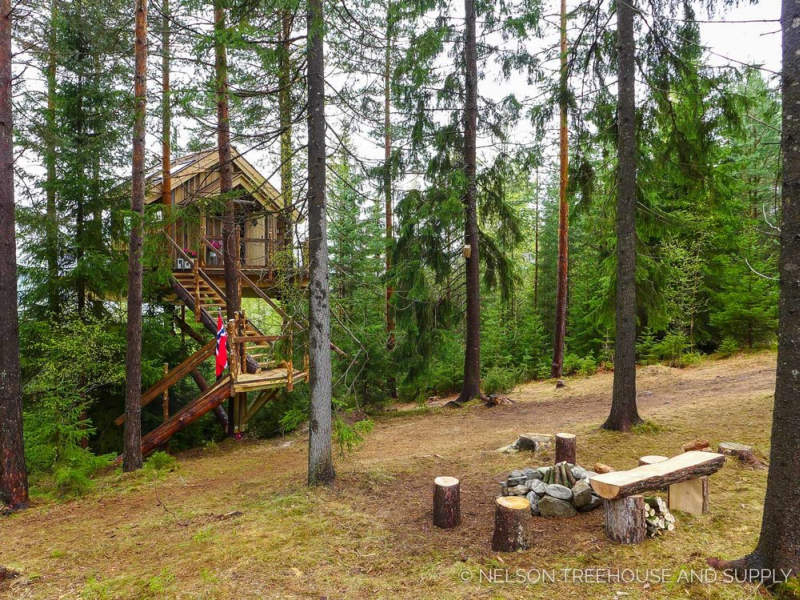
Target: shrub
x=728 y=347
x=349 y=437
x=70 y=481
x=571 y=364
x=574 y=364
x=161 y=461
x=292 y=419
x=672 y=348
x=587 y=366
x=72 y=474
x=498 y=379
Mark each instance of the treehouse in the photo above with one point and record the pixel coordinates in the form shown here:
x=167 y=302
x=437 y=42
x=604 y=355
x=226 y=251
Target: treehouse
x=264 y=230
x=259 y=365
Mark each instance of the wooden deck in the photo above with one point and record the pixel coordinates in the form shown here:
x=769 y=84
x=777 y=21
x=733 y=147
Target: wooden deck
x=279 y=377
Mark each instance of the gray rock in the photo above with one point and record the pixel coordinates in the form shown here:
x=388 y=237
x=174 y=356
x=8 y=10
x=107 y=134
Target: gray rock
x=518 y=490
x=590 y=474
x=531 y=473
x=578 y=472
x=516 y=477
x=534 y=500
x=581 y=493
x=503 y=489
x=510 y=449
x=553 y=507
x=542 y=471
x=594 y=502
x=538 y=486
x=561 y=492
x=533 y=441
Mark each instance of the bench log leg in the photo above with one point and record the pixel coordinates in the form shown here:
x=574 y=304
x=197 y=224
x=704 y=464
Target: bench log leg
x=690 y=496
x=625 y=519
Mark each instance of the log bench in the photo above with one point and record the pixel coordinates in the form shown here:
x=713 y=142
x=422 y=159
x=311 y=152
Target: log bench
x=686 y=476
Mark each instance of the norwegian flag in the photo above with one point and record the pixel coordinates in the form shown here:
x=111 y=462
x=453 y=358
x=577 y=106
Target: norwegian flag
x=221 y=351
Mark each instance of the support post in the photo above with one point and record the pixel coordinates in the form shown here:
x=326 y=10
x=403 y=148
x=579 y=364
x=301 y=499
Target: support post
x=690 y=496
x=625 y=519
x=196 y=273
x=165 y=396
x=446 y=502
x=233 y=362
x=565 y=448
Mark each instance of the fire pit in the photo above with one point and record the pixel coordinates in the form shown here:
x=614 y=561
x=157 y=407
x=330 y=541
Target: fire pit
x=560 y=490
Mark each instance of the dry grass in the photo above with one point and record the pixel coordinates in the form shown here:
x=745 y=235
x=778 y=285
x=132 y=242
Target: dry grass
x=238 y=522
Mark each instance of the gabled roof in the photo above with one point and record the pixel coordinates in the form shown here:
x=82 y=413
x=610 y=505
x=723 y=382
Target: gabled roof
x=245 y=176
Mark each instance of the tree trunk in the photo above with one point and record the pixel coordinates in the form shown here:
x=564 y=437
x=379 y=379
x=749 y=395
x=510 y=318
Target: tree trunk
x=51 y=214
x=320 y=461
x=387 y=171
x=446 y=502
x=511 y=517
x=563 y=212
x=472 y=354
x=779 y=543
x=285 y=112
x=132 y=454
x=623 y=402
x=625 y=520
x=13 y=477
x=536 y=248
x=166 y=116
x=230 y=230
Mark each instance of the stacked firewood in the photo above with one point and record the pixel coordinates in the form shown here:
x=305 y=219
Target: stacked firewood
x=657 y=516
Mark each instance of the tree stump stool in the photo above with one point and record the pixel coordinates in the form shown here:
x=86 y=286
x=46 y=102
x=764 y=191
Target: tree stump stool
x=565 y=448
x=446 y=502
x=625 y=519
x=511 y=517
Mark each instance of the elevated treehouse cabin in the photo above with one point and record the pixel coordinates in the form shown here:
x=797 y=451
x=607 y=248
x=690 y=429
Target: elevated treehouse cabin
x=265 y=231
x=267 y=257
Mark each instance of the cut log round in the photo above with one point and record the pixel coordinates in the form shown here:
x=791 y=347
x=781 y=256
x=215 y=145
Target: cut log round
x=733 y=449
x=511 y=516
x=697 y=445
x=565 y=448
x=651 y=459
x=742 y=452
x=625 y=520
x=689 y=465
x=446 y=502
x=602 y=468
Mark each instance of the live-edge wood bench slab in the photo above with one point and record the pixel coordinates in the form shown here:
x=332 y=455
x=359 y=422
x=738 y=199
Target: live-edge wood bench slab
x=683 y=467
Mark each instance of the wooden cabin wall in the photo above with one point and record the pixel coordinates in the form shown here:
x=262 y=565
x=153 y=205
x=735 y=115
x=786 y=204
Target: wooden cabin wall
x=260 y=232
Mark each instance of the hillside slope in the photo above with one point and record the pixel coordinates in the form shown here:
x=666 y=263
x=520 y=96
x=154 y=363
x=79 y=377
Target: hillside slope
x=237 y=521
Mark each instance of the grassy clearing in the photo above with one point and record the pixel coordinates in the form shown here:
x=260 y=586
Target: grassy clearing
x=236 y=521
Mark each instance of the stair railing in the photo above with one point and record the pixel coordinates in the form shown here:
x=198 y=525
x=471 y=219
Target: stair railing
x=200 y=274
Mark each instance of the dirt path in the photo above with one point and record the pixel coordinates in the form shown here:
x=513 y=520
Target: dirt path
x=210 y=529
x=584 y=402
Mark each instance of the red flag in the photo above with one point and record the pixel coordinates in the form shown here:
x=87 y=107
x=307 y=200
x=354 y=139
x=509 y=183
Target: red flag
x=221 y=351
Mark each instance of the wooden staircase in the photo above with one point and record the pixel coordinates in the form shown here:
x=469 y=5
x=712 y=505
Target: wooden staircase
x=253 y=366
x=208 y=300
